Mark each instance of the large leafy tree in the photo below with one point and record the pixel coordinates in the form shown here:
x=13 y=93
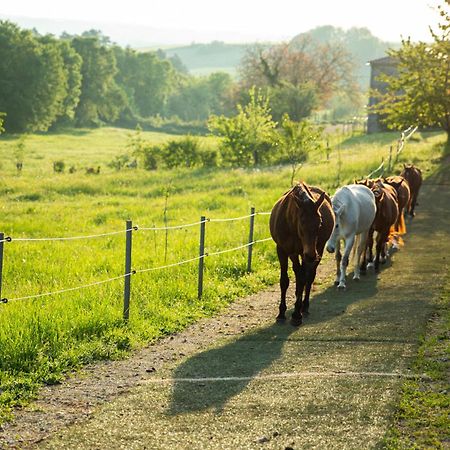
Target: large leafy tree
x=154 y=84
x=308 y=72
x=101 y=99
x=419 y=94
x=196 y=98
x=71 y=81
x=33 y=79
x=147 y=80
x=72 y=67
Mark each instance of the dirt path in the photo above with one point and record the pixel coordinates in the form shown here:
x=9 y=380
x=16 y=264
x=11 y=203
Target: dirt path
x=240 y=381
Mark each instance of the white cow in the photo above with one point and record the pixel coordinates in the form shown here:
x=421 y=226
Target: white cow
x=355 y=209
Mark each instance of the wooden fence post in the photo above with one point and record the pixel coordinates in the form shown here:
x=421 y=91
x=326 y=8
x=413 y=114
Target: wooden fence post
x=250 y=239
x=202 y=256
x=127 y=284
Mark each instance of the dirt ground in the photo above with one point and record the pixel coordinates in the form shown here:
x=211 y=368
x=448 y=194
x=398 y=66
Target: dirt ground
x=240 y=381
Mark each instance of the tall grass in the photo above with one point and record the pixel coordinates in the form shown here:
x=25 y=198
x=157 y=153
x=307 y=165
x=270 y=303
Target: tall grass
x=41 y=339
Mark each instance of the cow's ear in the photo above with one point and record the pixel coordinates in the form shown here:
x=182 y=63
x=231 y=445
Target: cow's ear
x=320 y=200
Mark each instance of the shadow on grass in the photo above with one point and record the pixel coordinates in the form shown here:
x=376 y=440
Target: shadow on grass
x=244 y=357
x=331 y=303
x=247 y=356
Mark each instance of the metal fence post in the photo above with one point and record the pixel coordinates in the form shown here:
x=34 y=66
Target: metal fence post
x=127 y=284
x=202 y=256
x=2 y=236
x=250 y=239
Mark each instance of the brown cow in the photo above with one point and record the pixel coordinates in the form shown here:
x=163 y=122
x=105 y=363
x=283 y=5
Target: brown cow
x=385 y=219
x=413 y=176
x=401 y=187
x=300 y=224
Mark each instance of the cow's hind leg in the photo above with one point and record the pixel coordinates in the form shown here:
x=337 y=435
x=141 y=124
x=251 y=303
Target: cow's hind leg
x=338 y=257
x=284 y=282
x=310 y=277
x=349 y=241
x=300 y=281
x=360 y=252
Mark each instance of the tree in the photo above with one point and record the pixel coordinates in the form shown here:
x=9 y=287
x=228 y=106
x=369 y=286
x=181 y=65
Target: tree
x=420 y=93
x=248 y=137
x=297 y=140
x=297 y=101
x=304 y=64
x=71 y=61
x=72 y=66
x=146 y=79
x=101 y=99
x=34 y=81
x=196 y=98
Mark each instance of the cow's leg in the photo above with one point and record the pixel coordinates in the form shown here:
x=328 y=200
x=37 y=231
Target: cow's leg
x=338 y=258
x=310 y=277
x=300 y=281
x=370 y=248
x=344 y=262
x=381 y=242
x=360 y=251
x=284 y=282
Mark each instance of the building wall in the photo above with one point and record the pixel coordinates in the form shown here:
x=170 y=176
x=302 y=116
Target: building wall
x=380 y=66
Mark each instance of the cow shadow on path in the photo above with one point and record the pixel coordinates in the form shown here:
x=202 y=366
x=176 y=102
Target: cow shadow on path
x=244 y=358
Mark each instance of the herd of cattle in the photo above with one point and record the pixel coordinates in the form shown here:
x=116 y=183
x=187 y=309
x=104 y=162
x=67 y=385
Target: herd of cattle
x=305 y=220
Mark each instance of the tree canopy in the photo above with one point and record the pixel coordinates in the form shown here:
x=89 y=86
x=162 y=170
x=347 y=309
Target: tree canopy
x=419 y=94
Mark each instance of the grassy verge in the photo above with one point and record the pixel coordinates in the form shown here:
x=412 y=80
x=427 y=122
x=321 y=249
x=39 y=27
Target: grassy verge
x=422 y=418
x=42 y=339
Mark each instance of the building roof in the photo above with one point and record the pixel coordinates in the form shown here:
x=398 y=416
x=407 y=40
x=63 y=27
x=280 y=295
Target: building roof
x=383 y=61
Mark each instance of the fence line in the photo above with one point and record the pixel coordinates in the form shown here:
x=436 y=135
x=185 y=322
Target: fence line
x=379 y=168
x=404 y=136
x=233 y=218
x=134 y=228
x=60 y=291
x=128 y=271
x=69 y=238
x=133 y=272
x=174 y=227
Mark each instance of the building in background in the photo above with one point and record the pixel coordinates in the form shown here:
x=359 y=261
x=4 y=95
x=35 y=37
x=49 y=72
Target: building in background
x=386 y=65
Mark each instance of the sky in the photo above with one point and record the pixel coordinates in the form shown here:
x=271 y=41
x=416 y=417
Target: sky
x=241 y=20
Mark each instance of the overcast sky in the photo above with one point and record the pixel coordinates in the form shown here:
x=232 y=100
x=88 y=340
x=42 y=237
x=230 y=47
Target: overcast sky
x=238 y=20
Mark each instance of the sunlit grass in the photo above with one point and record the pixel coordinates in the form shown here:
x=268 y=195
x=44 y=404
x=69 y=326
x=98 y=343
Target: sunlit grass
x=40 y=339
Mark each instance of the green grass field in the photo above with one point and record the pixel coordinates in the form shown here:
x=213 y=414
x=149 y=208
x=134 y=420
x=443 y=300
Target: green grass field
x=43 y=338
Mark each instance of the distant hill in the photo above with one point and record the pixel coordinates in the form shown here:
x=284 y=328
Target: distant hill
x=201 y=59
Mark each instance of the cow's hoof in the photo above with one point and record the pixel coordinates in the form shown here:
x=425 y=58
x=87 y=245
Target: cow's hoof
x=296 y=321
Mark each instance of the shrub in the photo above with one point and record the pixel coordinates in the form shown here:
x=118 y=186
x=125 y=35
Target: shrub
x=59 y=166
x=184 y=152
x=209 y=158
x=119 y=162
x=150 y=156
